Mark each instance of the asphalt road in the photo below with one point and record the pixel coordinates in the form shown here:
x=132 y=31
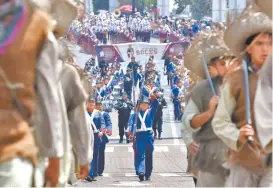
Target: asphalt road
x=170 y=155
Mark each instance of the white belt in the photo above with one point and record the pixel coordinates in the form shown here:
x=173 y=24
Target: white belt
x=147 y=129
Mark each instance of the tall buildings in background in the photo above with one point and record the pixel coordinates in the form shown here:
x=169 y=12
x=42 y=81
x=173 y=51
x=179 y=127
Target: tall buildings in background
x=89 y=6
x=220 y=9
x=163 y=7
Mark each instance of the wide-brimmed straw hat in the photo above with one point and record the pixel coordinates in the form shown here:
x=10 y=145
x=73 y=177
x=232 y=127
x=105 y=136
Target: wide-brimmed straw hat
x=65 y=49
x=265 y=6
x=211 y=45
x=62 y=11
x=249 y=23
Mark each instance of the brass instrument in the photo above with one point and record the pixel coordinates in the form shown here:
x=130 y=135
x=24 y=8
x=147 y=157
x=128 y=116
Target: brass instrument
x=116 y=13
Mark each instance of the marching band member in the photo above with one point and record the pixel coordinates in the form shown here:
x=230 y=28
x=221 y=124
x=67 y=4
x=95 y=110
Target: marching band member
x=144 y=136
x=124 y=107
x=133 y=65
x=128 y=82
x=100 y=91
x=107 y=86
x=146 y=89
x=158 y=119
x=140 y=77
x=168 y=60
x=98 y=125
x=176 y=92
x=104 y=139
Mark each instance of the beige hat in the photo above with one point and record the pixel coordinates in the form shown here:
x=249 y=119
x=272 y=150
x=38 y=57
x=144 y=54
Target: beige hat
x=265 y=6
x=65 y=51
x=62 y=11
x=219 y=25
x=250 y=22
x=212 y=45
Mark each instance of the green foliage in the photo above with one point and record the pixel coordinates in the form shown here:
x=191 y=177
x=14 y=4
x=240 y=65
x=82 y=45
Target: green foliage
x=181 y=4
x=142 y=4
x=199 y=8
x=146 y=3
x=100 y=5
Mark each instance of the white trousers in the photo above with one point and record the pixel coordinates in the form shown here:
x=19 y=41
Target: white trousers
x=16 y=172
x=72 y=175
x=65 y=164
x=207 y=179
x=241 y=177
x=40 y=172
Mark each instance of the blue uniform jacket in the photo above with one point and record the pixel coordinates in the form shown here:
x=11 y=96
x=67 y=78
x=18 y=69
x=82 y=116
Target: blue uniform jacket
x=121 y=74
x=175 y=91
x=145 y=92
x=107 y=90
x=108 y=126
x=149 y=118
x=98 y=120
x=111 y=84
x=170 y=67
x=175 y=79
x=128 y=82
x=140 y=77
x=100 y=93
x=107 y=120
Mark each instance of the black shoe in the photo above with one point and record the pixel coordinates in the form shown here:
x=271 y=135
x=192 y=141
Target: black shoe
x=159 y=136
x=155 y=135
x=89 y=179
x=137 y=173
x=100 y=174
x=148 y=178
x=93 y=178
x=127 y=141
x=121 y=140
x=141 y=177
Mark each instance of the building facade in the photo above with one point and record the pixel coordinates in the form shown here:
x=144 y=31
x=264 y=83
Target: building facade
x=221 y=8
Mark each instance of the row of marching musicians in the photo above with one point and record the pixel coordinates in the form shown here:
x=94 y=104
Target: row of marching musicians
x=179 y=80
x=227 y=123
x=105 y=96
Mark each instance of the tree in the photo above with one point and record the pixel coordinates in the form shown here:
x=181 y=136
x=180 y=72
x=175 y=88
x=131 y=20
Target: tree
x=201 y=8
x=146 y=3
x=181 y=4
x=100 y=5
x=142 y=4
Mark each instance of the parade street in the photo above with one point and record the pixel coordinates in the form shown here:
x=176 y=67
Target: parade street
x=170 y=158
x=170 y=154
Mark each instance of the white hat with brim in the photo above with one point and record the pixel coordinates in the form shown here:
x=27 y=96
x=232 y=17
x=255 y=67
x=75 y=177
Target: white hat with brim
x=62 y=11
x=249 y=23
x=265 y=6
x=211 y=45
